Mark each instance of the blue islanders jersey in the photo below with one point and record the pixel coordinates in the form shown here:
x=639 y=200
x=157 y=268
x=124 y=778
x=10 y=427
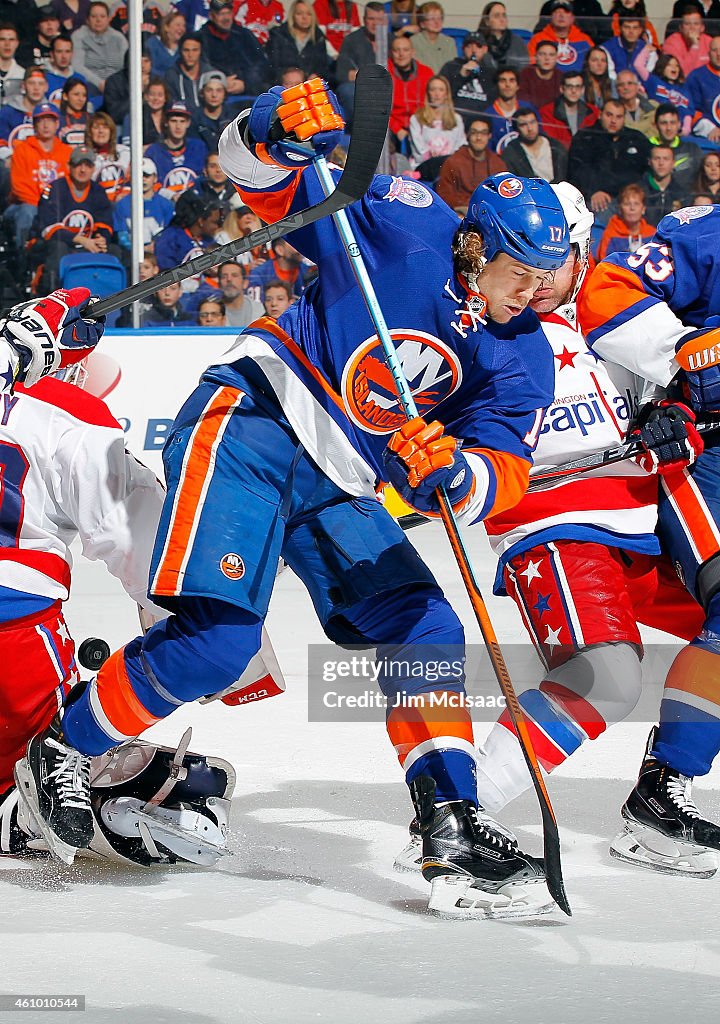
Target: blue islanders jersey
x=703 y=85
x=487 y=383
x=636 y=306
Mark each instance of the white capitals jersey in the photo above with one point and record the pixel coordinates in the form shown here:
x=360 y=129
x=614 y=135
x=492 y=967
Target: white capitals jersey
x=594 y=403
x=64 y=473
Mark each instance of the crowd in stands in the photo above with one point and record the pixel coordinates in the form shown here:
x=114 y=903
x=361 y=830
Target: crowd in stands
x=624 y=107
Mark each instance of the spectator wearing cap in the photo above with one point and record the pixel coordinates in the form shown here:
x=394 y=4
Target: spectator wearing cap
x=164 y=47
x=690 y=44
x=432 y=47
x=623 y=50
x=59 y=67
x=211 y=119
x=259 y=16
x=589 y=18
x=471 y=77
x=112 y=159
x=506 y=49
x=99 y=49
x=563 y=118
x=183 y=78
x=215 y=184
x=194 y=226
x=703 y=85
x=464 y=170
x=179 y=158
x=285 y=263
x=71 y=17
x=572 y=44
x=240 y=309
x=36 y=163
x=157 y=211
x=11 y=72
x=299 y=42
x=16 y=117
x=533 y=155
x=235 y=51
x=74 y=215
x=358 y=49
x=36 y=48
x=540 y=82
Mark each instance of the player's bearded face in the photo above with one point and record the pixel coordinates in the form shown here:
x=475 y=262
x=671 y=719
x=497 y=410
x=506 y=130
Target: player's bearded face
x=509 y=286
x=557 y=288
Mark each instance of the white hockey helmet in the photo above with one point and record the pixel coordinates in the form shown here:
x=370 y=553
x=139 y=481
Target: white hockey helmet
x=580 y=219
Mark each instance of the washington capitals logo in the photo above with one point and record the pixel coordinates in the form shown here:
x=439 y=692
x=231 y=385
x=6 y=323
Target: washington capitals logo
x=431 y=368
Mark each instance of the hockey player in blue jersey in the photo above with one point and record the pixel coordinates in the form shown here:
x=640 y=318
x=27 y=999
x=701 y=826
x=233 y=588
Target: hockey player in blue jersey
x=653 y=311
x=279 y=451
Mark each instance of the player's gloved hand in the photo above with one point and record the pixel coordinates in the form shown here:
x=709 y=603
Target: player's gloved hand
x=698 y=354
x=51 y=333
x=421 y=457
x=280 y=119
x=667 y=432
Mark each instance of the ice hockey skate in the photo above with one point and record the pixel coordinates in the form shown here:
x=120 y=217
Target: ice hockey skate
x=17 y=837
x=664 y=829
x=53 y=782
x=411 y=856
x=474 y=866
x=159 y=805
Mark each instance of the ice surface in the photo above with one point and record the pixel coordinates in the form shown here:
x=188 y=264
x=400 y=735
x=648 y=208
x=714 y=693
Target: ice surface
x=308 y=922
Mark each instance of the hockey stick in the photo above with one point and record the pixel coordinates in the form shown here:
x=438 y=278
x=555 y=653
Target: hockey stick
x=373 y=96
x=598 y=460
x=551 y=837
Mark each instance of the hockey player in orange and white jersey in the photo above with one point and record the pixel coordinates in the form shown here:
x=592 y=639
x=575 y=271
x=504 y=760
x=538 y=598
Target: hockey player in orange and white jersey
x=581 y=559
x=65 y=474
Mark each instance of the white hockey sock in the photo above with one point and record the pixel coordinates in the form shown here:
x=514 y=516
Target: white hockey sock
x=501 y=770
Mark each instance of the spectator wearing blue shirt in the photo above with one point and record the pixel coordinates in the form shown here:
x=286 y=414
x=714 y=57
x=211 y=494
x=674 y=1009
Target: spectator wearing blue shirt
x=285 y=263
x=179 y=158
x=624 y=50
x=157 y=210
x=164 y=48
x=192 y=229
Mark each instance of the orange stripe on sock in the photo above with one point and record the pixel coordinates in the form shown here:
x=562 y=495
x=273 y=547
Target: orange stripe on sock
x=698 y=523
x=199 y=467
x=118 y=699
x=696 y=671
x=439 y=714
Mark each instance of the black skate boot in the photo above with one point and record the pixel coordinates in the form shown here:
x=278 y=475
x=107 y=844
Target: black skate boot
x=664 y=829
x=474 y=866
x=53 y=781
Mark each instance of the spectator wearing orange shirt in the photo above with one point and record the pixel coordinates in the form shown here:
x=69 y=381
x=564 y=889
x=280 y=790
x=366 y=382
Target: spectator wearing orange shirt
x=36 y=163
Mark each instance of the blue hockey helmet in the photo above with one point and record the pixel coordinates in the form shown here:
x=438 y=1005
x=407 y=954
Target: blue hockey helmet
x=521 y=217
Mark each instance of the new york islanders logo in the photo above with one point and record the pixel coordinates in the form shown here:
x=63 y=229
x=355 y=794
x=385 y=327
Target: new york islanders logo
x=567 y=55
x=232 y=566
x=80 y=222
x=431 y=369
x=179 y=178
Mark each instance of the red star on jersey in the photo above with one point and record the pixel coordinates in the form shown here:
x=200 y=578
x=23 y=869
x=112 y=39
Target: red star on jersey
x=566 y=358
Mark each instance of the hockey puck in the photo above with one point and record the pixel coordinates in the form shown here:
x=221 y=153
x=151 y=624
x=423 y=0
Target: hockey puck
x=93 y=653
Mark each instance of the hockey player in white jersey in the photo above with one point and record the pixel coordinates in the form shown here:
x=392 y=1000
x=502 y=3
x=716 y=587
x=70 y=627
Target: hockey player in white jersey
x=65 y=473
x=581 y=559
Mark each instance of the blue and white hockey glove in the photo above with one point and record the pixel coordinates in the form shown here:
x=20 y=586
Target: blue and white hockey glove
x=668 y=435
x=281 y=119
x=699 y=356
x=51 y=333
x=419 y=458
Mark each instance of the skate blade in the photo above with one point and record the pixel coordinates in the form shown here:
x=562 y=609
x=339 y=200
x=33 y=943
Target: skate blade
x=454 y=897
x=28 y=794
x=409 y=859
x=645 y=848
